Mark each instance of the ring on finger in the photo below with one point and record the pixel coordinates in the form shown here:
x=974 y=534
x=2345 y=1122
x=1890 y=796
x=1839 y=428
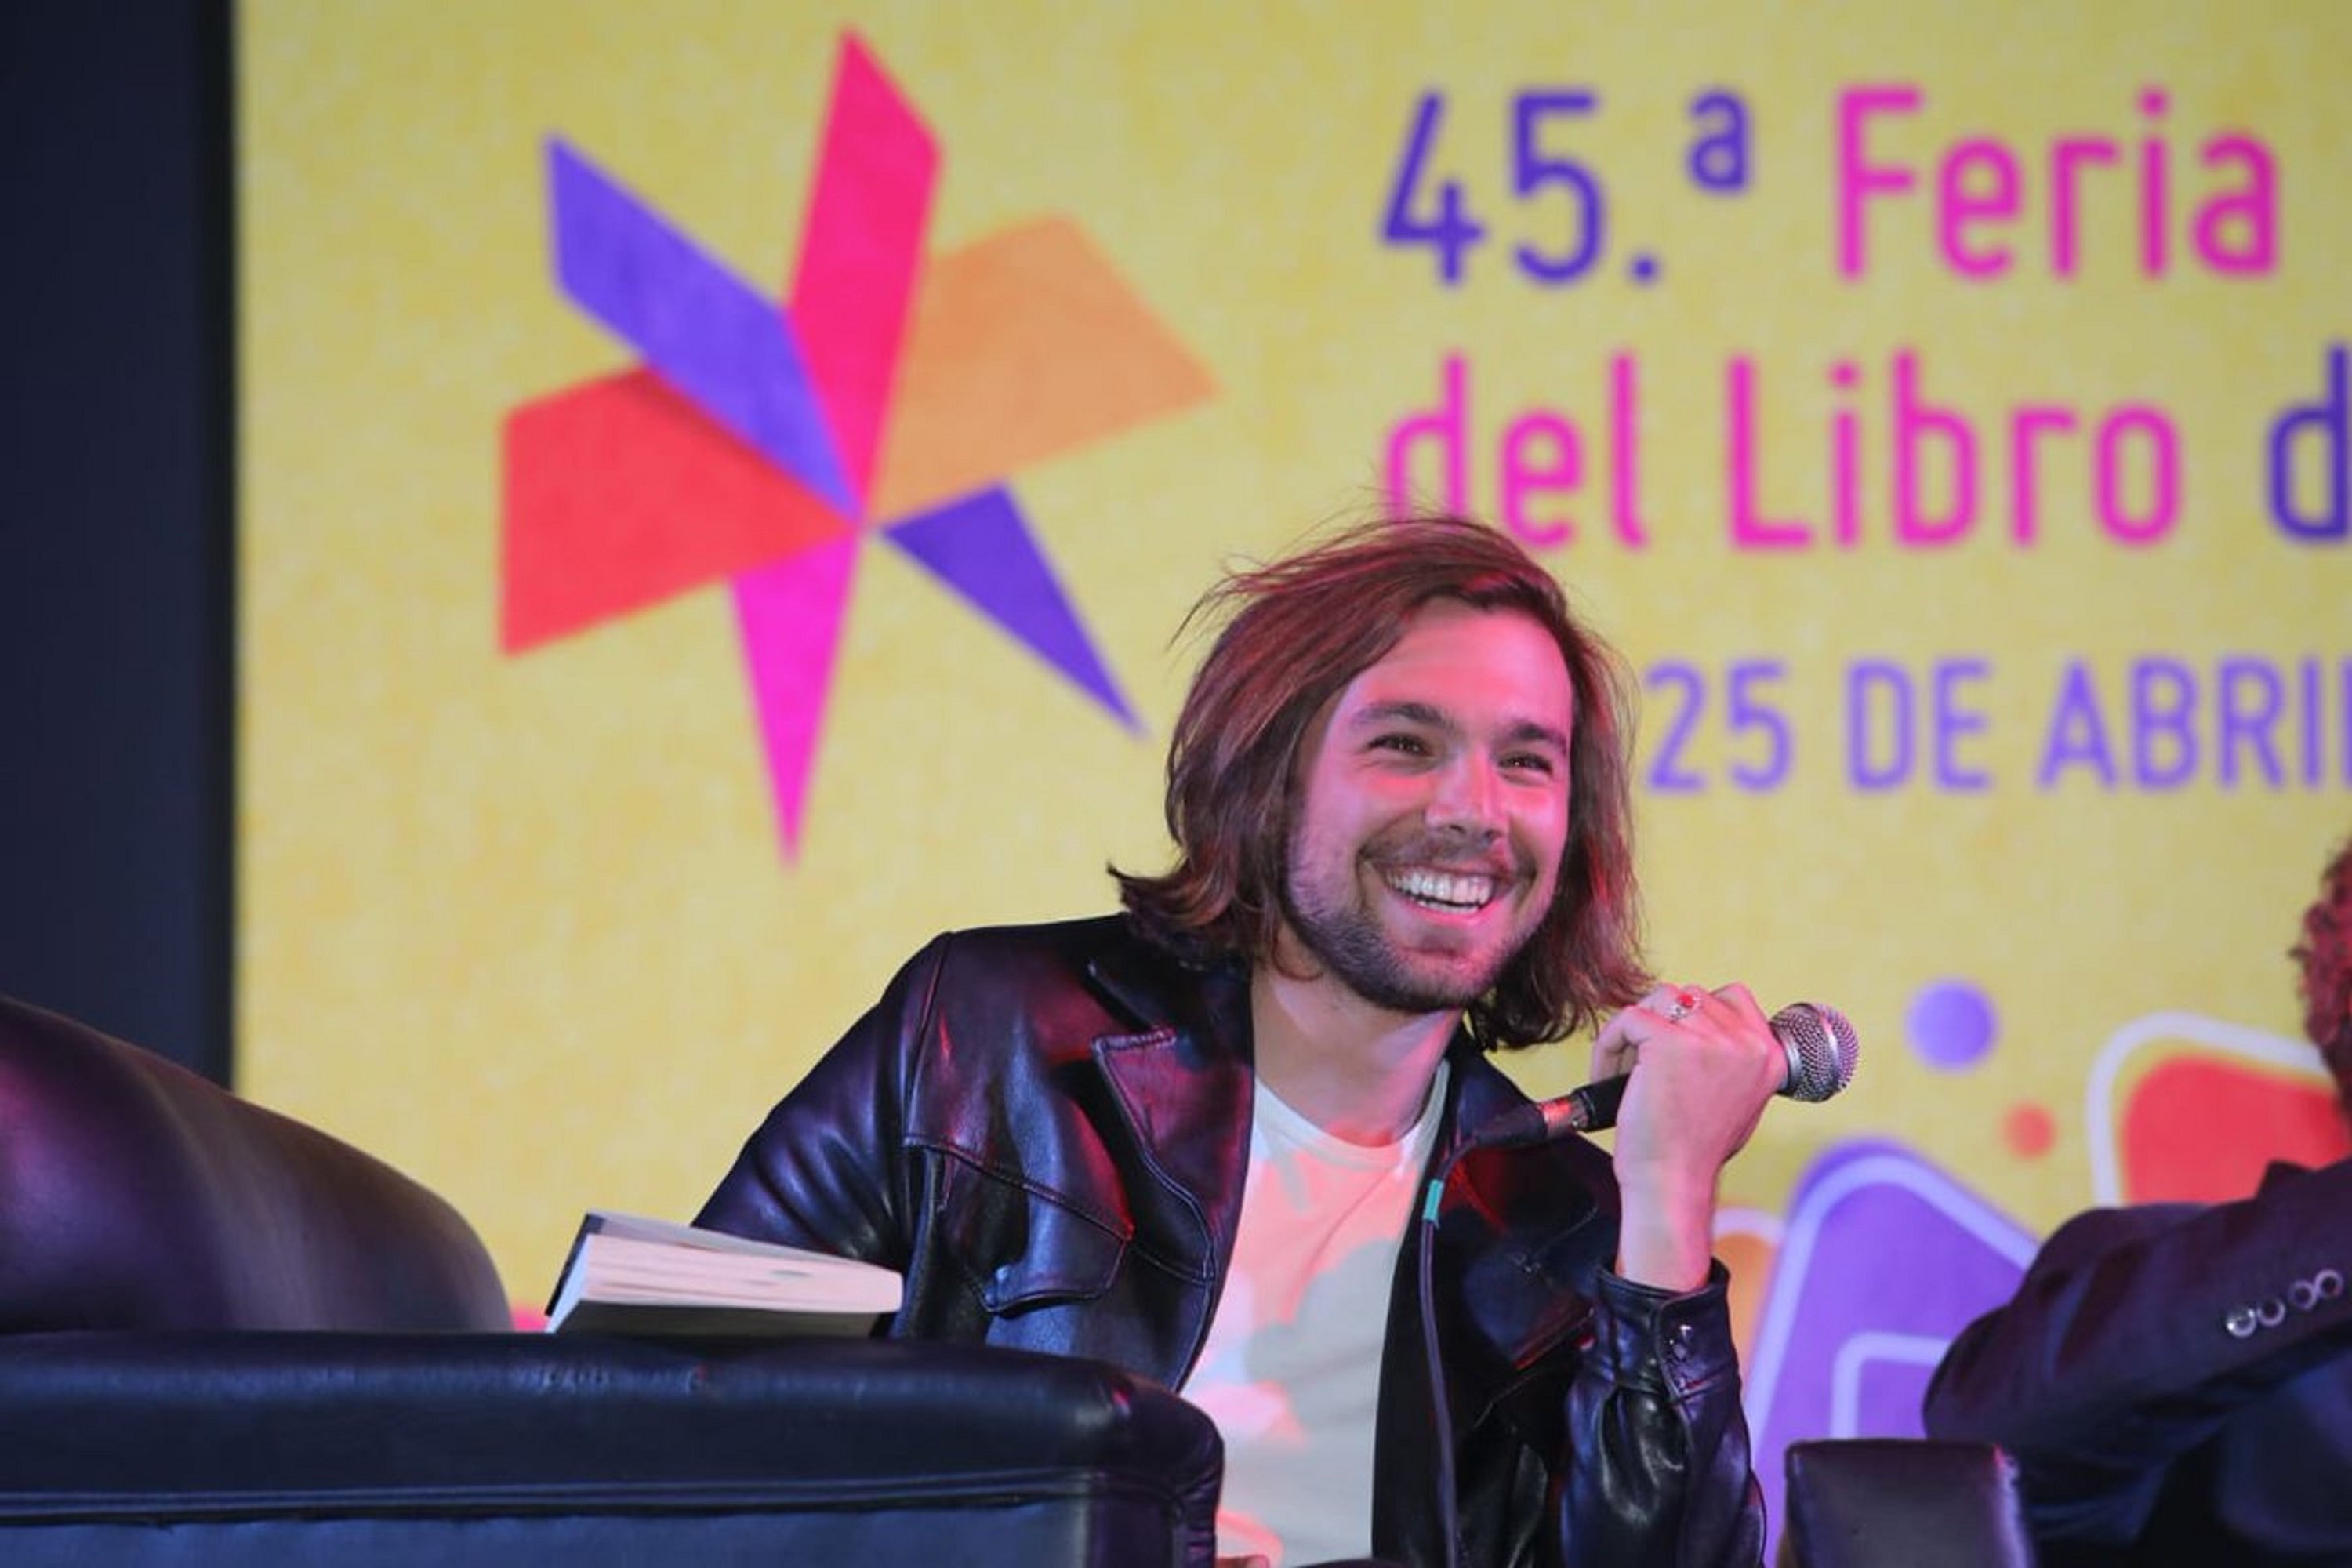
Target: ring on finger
x=1685 y=1002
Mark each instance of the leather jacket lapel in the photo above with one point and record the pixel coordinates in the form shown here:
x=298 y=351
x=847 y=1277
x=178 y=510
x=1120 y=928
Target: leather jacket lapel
x=1183 y=1086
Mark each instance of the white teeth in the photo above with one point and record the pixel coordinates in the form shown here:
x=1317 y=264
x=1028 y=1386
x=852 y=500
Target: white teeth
x=1452 y=890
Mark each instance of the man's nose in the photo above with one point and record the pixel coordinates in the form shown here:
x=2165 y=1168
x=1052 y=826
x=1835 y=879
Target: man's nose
x=1467 y=799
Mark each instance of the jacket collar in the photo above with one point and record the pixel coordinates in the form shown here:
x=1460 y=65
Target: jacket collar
x=1182 y=1083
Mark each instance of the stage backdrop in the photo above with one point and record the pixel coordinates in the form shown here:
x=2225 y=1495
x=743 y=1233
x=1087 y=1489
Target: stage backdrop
x=718 y=483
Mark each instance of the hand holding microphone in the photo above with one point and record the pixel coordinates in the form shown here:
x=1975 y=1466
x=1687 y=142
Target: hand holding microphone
x=1818 y=1044
x=1696 y=1068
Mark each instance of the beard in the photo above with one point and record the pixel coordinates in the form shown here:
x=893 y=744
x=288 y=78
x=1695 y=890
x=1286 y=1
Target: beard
x=1344 y=935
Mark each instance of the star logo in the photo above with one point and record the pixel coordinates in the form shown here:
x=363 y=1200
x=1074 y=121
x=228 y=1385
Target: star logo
x=760 y=444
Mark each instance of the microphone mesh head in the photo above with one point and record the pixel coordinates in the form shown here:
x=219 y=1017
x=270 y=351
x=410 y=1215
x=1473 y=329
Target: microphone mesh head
x=1822 y=1047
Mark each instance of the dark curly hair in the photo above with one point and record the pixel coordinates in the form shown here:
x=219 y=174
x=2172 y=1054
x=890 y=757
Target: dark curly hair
x=1297 y=631
x=2325 y=983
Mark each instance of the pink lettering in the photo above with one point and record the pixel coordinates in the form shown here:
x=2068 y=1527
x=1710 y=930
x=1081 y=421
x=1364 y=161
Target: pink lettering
x=1522 y=477
x=1538 y=454
x=1918 y=422
x=1857 y=178
x=1968 y=199
x=1750 y=529
x=2163 y=475
x=2029 y=421
x=1999 y=206
x=1942 y=459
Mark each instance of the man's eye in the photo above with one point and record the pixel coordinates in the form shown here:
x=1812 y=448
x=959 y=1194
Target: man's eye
x=1410 y=746
x=1530 y=762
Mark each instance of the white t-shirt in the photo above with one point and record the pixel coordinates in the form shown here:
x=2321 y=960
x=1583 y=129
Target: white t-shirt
x=1291 y=1371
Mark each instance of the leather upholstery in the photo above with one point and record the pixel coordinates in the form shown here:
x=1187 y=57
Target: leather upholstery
x=226 y=1338
x=1888 y=1502
x=497 y=1448
x=137 y=1194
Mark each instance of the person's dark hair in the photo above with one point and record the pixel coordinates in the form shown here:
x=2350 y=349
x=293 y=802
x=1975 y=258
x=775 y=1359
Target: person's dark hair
x=2325 y=983
x=1296 y=631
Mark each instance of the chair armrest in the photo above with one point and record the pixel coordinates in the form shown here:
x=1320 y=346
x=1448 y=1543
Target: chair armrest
x=1903 y=1502
x=816 y=1450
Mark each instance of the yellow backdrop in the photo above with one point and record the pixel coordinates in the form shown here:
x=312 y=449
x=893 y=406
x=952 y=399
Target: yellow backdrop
x=1933 y=401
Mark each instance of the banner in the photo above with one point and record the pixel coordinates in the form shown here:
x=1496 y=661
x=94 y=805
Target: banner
x=720 y=485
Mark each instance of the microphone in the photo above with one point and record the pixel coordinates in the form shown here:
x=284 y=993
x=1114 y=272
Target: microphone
x=1821 y=1046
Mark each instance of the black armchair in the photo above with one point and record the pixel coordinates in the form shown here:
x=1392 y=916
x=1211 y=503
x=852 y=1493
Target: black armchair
x=226 y=1338
x=1901 y=1502
x=362 y=1450
x=135 y=1195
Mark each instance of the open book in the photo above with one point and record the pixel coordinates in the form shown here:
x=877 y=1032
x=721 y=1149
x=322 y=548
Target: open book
x=627 y=1274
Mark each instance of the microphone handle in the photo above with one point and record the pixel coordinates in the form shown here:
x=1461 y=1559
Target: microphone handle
x=1586 y=1109
x=1817 y=1041
x=1594 y=1106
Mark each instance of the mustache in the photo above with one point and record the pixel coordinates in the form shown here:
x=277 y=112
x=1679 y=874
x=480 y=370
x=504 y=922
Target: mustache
x=1450 y=852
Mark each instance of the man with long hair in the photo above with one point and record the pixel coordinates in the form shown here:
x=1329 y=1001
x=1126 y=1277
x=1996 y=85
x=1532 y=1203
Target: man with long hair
x=2174 y=1381
x=1192 y=1138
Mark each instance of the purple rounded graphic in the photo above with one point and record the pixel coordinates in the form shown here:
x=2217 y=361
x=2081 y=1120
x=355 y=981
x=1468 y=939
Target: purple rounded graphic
x=1951 y=1025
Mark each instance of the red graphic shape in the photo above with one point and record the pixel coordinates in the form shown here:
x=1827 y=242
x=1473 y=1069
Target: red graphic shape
x=928 y=381
x=2198 y=1131
x=620 y=493
x=2028 y=1131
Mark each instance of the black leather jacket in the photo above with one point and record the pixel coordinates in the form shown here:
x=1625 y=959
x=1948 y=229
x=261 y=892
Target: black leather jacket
x=1046 y=1130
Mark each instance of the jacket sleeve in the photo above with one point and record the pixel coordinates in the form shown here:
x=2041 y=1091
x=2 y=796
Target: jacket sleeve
x=2136 y=1332
x=1658 y=1469
x=823 y=1169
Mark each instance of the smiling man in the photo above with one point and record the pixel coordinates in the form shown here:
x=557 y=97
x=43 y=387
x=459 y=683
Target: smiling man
x=1192 y=1138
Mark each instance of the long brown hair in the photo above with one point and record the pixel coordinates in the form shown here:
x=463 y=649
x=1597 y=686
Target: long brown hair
x=2324 y=952
x=1296 y=631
